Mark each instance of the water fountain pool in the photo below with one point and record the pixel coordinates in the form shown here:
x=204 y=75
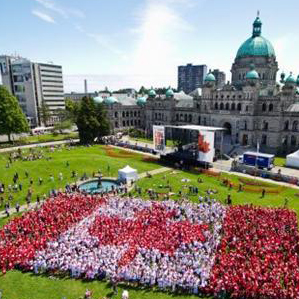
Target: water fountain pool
x=94 y=186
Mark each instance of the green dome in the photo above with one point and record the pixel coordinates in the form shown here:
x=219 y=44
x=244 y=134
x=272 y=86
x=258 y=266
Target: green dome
x=169 y=93
x=290 y=79
x=152 y=93
x=253 y=74
x=98 y=100
x=256 y=45
x=141 y=101
x=110 y=100
x=210 y=77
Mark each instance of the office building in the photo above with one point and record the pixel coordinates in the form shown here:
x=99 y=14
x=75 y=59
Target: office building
x=191 y=77
x=34 y=84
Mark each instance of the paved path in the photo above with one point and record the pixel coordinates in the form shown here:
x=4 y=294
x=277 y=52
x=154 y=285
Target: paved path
x=10 y=149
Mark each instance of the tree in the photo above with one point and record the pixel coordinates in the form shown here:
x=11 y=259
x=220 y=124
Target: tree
x=44 y=113
x=90 y=119
x=63 y=125
x=12 y=119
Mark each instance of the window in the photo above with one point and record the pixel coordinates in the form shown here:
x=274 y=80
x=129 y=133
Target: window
x=138 y=122
x=285 y=140
x=264 y=139
x=138 y=113
x=116 y=114
x=124 y=114
x=264 y=107
x=132 y=122
x=247 y=108
x=124 y=123
x=116 y=124
x=227 y=106
x=233 y=107
x=227 y=96
x=204 y=121
x=135 y=113
x=190 y=118
x=239 y=107
x=271 y=107
x=293 y=140
x=286 y=125
x=131 y=113
x=216 y=106
x=128 y=123
x=199 y=120
x=177 y=117
x=127 y=114
x=265 y=126
x=185 y=118
x=135 y=122
x=221 y=106
x=245 y=125
x=295 y=126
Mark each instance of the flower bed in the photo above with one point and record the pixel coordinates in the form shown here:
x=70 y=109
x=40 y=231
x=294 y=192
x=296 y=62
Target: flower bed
x=112 y=152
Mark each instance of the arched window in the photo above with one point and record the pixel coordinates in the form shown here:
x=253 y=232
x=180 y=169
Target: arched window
x=190 y=118
x=124 y=114
x=177 y=117
x=265 y=125
x=127 y=114
x=239 y=76
x=227 y=96
x=185 y=117
x=285 y=140
x=247 y=108
x=295 y=126
x=264 y=139
x=271 y=107
x=216 y=106
x=181 y=117
x=286 y=125
x=116 y=114
x=293 y=140
x=233 y=107
x=131 y=113
x=245 y=125
x=221 y=106
x=132 y=122
x=199 y=120
x=124 y=123
x=138 y=113
x=128 y=123
x=227 y=106
x=135 y=113
x=116 y=124
x=239 y=107
x=264 y=107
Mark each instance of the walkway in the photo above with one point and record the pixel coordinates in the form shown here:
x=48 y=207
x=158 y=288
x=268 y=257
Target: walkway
x=11 y=149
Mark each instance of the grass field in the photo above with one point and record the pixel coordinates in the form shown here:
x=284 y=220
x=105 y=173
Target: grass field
x=280 y=161
x=18 y=285
x=150 y=141
x=80 y=159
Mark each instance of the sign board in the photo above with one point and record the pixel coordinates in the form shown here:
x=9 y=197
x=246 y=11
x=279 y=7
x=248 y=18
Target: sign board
x=159 y=138
x=206 y=150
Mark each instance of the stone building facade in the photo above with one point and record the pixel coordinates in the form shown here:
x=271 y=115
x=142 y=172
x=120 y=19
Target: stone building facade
x=254 y=108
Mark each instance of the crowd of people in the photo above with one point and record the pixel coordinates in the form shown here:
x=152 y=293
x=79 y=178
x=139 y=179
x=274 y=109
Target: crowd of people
x=23 y=236
x=176 y=254
x=258 y=256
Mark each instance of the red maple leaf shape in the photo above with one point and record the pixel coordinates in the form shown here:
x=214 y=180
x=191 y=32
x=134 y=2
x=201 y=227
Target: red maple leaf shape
x=203 y=146
x=150 y=229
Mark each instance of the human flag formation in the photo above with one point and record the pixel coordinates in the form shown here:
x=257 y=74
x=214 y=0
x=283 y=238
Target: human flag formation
x=207 y=248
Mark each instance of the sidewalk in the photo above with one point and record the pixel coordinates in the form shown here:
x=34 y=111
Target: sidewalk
x=10 y=149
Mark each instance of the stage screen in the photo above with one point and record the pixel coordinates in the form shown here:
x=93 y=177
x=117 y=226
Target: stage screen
x=159 y=138
x=206 y=150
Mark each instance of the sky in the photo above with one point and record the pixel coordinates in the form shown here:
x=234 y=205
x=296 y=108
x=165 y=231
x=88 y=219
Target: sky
x=130 y=43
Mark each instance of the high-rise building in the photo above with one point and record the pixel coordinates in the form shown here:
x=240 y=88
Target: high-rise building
x=220 y=78
x=34 y=84
x=191 y=77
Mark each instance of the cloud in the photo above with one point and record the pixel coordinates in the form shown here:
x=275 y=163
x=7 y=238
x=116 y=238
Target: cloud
x=63 y=12
x=160 y=26
x=43 y=16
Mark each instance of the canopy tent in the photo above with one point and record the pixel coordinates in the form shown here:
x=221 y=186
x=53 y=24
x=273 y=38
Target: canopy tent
x=293 y=159
x=127 y=174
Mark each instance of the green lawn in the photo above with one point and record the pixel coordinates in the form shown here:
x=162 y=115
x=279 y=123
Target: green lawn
x=81 y=159
x=17 y=285
x=279 y=161
x=175 y=180
x=150 y=141
x=40 y=139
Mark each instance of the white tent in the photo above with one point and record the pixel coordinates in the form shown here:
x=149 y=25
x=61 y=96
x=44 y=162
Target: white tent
x=127 y=174
x=293 y=159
